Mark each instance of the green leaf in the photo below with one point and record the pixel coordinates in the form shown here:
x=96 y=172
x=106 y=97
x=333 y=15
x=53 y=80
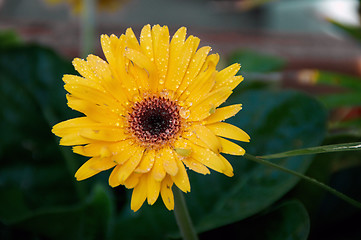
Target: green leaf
x=353 y=31
x=9 y=38
x=310 y=180
x=286 y=221
x=254 y=62
x=33 y=176
x=338 y=80
x=276 y=122
x=341 y=99
x=355 y=146
x=88 y=220
x=32 y=98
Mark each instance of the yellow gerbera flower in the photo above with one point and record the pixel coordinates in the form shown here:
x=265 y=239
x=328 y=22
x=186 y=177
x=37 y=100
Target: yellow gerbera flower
x=150 y=110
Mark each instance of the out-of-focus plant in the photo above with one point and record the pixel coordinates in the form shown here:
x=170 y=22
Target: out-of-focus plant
x=41 y=200
x=77 y=6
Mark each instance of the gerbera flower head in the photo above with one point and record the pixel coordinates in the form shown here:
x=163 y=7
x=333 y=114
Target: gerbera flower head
x=152 y=112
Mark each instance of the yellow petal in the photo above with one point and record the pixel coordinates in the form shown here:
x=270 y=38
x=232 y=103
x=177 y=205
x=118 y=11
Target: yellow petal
x=140 y=59
x=107 y=78
x=231 y=148
x=139 y=194
x=121 y=84
x=180 y=57
x=202 y=84
x=147 y=162
x=90 y=94
x=183 y=152
x=97 y=149
x=105 y=134
x=181 y=179
x=140 y=76
x=106 y=43
x=161 y=52
x=100 y=164
x=229 y=131
x=68 y=126
x=93 y=111
x=166 y=193
x=201 y=109
x=114 y=180
x=224 y=76
x=129 y=166
x=208 y=137
x=229 y=169
x=132 y=180
x=85 y=171
x=194 y=68
x=73 y=139
x=195 y=166
x=85 y=69
x=158 y=172
x=146 y=41
x=169 y=161
x=233 y=82
x=132 y=41
x=77 y=80
x=122 y=151
x=223 y=113
x=153 y=189
x=207 y=158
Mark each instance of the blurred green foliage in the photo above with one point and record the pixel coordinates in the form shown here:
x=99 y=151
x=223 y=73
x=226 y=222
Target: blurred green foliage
x=40 y=199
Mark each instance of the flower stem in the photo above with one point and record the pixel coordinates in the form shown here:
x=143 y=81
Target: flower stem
x=87 y=27
x=308 y=179
x=182 y=216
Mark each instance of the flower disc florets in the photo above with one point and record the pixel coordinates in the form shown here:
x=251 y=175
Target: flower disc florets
x=154 y=121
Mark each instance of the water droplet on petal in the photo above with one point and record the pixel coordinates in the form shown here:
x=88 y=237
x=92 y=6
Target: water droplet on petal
x=184 y=113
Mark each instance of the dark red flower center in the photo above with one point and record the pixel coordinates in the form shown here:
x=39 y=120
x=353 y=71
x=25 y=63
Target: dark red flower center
x=154 y=121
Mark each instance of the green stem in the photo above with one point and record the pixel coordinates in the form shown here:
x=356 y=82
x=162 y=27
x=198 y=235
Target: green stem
x=88 y=27
x=308 y=179
x=181 y=213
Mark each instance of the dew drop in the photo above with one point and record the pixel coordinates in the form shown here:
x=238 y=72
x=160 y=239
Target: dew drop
x=184 y=113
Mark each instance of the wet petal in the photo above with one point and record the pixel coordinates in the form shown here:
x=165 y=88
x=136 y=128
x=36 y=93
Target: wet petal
x=208 y=137
x=166 y=193
x=169 y=161
x=139 y=194
x=127 y=168
x=181 y=178
x=231 y=148
x=207 y=158
x=223 y=113
x=92 y=167
x=196 y=166
x=153 y=189
x=158 y=171
x=203 y=108
x=229 y=131
x=147 y=162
